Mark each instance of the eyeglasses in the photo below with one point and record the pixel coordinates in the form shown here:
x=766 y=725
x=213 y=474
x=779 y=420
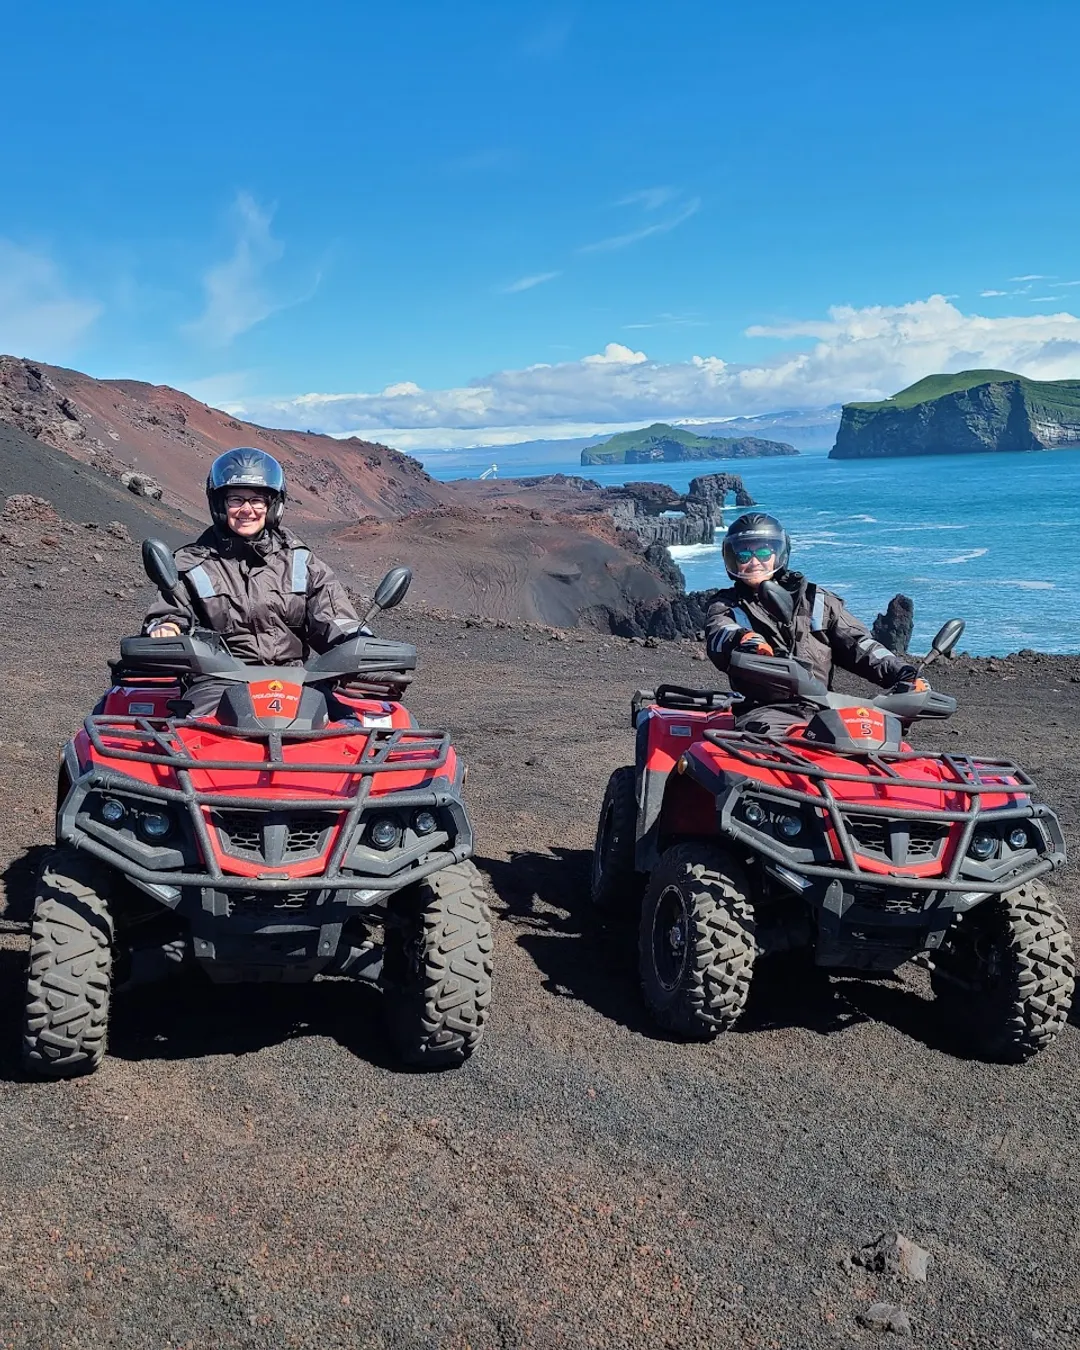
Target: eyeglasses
x=235 y=502
x=763 y=554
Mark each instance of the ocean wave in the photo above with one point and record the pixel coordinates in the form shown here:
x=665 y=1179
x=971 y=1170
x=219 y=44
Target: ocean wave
x=693 y=552
x=970 y=556
x=867 y=520
x=903 y=529
x=1024 y=585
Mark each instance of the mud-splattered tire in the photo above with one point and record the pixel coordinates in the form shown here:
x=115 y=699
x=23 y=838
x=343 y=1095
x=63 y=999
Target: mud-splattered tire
x=69 y=971
x=614 y=884
x=1005 y=979
x=696 y=942
x=437 y=981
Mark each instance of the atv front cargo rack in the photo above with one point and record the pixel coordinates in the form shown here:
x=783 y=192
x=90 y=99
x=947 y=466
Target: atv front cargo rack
x=972 y=777
x=416 y=751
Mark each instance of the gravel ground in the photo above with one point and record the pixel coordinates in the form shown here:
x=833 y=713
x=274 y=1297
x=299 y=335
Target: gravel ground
x=248 y=1168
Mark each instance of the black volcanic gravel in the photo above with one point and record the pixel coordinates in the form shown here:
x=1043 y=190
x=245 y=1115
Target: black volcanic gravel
x=249 y=1169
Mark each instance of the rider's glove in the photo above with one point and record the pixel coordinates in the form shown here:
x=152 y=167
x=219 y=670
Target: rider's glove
x=755 y=643
x=916 y=685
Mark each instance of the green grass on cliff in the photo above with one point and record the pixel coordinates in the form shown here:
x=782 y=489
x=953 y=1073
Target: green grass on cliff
x=659 y=431
x=1055 y=393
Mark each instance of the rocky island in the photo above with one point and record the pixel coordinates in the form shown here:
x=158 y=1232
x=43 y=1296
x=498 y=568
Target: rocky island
x=968 y=413
x=661 y=443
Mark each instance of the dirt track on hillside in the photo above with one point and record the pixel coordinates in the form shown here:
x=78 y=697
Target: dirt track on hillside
x=249 y=1169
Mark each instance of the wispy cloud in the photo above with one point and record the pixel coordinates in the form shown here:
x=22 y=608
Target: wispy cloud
x=670 y=321
x=688 y=208
x=986 y=294
x=238 y=292
x=1042 y=299
x=527 y=283
x=39 y=314
x=649 y=198
x=1033 y=276
x=547 y=39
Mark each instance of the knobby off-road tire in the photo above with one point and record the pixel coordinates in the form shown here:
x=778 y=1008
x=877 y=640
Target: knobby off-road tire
x=70 y=969
x=696 y=942
x=614 y=884
x=439 y=967
x=1012 y=973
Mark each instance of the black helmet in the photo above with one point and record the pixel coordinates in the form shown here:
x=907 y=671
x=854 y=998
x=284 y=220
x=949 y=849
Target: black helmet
x=242 y=468
x=755 y=530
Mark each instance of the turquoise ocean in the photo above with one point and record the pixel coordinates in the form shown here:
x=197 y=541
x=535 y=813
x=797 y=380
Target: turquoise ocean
x=993 y=539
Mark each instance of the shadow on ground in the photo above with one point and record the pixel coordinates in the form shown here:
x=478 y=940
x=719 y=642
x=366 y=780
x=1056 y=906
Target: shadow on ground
x=593 y=958
x=19 y=878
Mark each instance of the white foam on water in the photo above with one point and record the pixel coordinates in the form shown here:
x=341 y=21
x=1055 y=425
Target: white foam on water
x=903 y=529
x=963 y=557
x=867 y=520
x=1024 y=585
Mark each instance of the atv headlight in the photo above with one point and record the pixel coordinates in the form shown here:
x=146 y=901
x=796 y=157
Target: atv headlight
x=754 y=814
x=154 y=825
x=112 y=811
x=1018 y=837
x=788 y=826
x=383 y=833
x=982 y=846
x=424 y=822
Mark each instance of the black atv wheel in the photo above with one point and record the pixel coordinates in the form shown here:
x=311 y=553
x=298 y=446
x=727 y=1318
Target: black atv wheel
x=614 y=884
x=438 y=967
x=1005 y=976
x=70 y=969
x=696 y=944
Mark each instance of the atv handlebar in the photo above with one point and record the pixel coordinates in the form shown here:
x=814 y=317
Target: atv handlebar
x=783 y=679
x=357 y=658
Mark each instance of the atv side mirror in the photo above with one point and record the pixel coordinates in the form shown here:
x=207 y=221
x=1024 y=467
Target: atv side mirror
x=392 y=588
x=390 y=591
x=160 y=566
x=945 y=640
x=779 y=602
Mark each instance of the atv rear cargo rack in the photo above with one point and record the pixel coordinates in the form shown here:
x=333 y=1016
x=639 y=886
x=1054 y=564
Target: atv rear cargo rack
x=421 y=751
x=971 y=779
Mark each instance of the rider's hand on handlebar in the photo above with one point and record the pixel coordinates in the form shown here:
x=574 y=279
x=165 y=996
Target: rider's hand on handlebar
x=165 y=630
x=916 y=686
x=755 y=643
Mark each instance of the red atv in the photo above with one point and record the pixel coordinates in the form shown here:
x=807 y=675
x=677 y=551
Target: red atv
x=838 y=838
x=308 y=828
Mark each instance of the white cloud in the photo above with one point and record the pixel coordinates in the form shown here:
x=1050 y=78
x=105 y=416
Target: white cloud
x=850 y=354
x=985 y=294
x=671 y=222
x=237 y=293
x=39 y=315
x=527 y=283
x=1033 y=276
x=615 y=354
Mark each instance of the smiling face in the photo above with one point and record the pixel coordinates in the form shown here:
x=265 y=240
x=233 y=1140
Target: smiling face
x=246 y=510
x=755 y=563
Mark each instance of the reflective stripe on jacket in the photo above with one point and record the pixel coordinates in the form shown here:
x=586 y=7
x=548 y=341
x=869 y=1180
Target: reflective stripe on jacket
x=271 y=599
x=822 y=632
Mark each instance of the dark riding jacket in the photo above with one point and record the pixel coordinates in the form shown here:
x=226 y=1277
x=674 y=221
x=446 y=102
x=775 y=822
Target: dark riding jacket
x=821 y=634
x=270 y=598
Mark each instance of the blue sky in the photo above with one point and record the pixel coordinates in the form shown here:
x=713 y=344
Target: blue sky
x=446 y=223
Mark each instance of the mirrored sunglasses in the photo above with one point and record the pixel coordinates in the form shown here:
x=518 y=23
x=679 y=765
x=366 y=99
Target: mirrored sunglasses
x=762 y=554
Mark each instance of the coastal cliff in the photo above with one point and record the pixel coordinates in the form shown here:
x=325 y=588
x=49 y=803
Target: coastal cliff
x=969 y=413
x=663 y=444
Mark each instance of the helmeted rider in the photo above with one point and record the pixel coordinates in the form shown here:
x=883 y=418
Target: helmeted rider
x=251 y=580
x=820 y=632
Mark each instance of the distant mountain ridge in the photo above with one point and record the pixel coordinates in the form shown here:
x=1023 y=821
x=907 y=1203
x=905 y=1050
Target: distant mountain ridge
x=971 y=412
x=662 y=443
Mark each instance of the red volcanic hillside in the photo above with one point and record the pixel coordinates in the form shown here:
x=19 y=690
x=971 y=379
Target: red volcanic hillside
x=118 y=425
